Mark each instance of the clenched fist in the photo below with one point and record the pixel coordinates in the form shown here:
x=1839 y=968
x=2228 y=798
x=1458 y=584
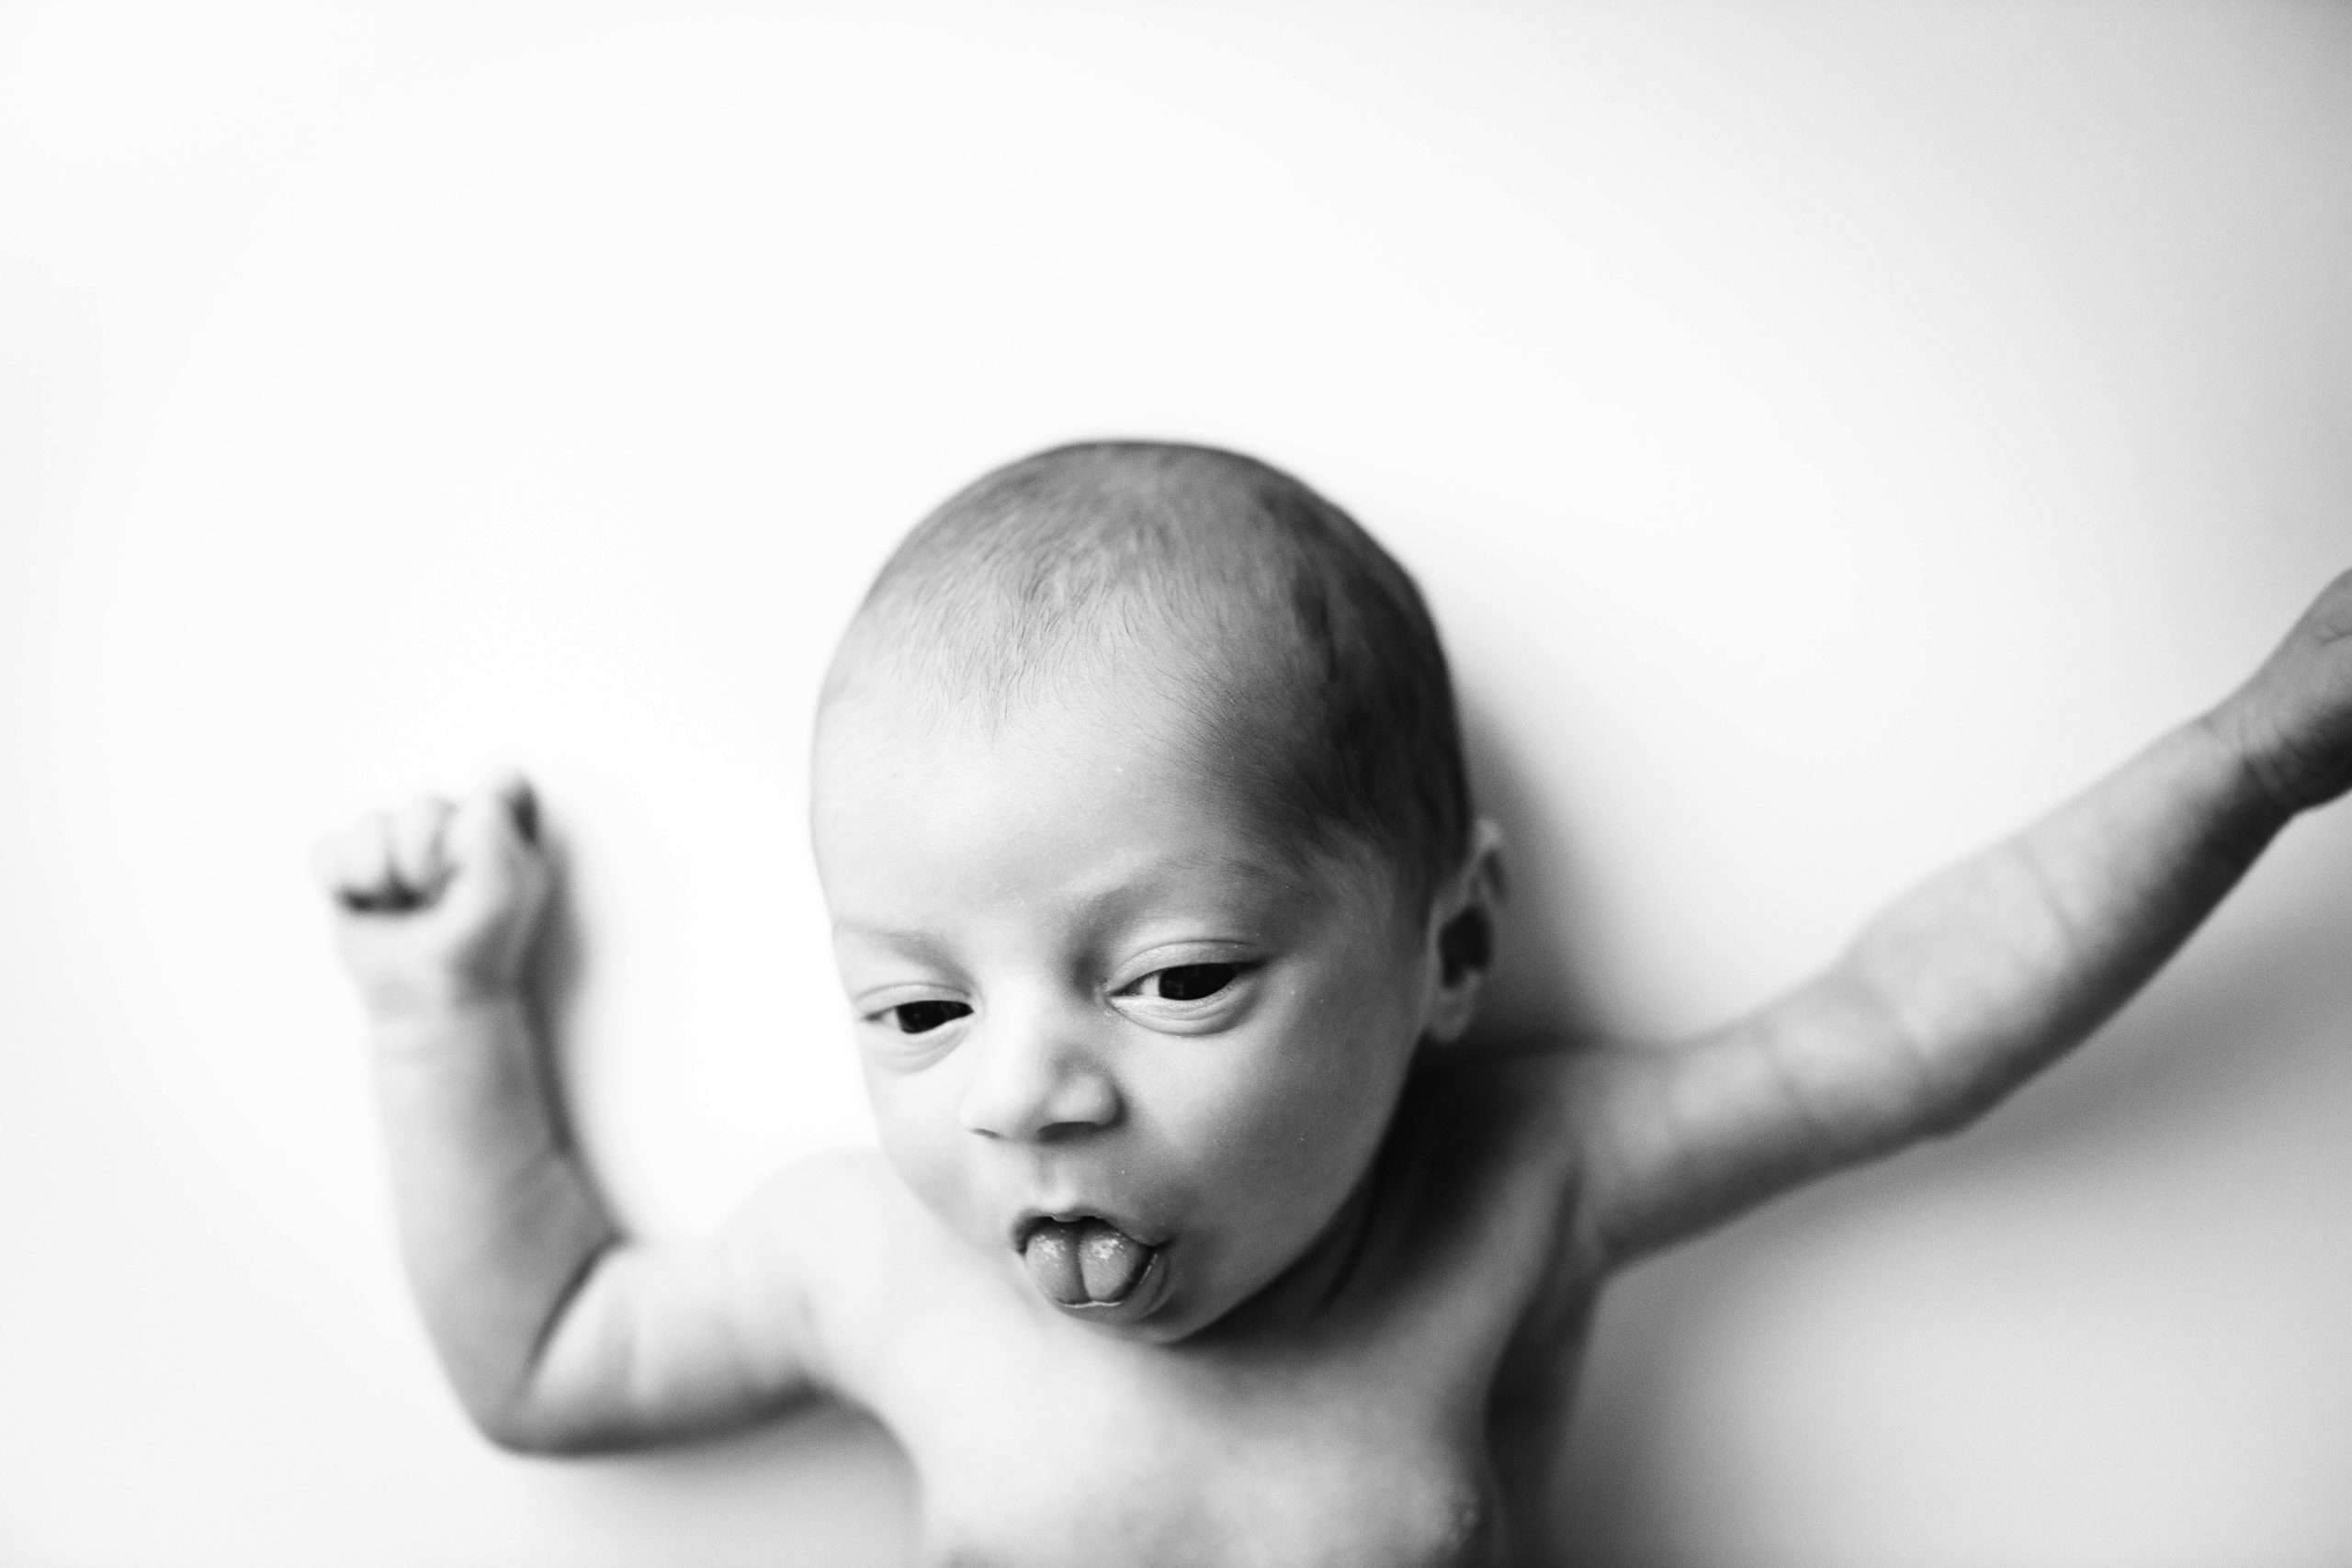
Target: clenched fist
x=439 y=902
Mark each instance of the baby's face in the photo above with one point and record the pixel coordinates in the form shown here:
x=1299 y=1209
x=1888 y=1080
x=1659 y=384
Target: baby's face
x=1110 y=1040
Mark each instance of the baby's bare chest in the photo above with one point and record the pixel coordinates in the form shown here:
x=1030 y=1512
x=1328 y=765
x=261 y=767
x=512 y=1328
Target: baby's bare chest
x=1426 y=1440
x=1221 y=1469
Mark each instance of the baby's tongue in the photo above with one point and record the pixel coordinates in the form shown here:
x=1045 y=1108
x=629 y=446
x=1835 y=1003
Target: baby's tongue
x=1078 y=1261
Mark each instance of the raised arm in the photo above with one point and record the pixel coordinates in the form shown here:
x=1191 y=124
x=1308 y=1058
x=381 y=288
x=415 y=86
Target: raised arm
x=1967 y=986
x=556 y=1332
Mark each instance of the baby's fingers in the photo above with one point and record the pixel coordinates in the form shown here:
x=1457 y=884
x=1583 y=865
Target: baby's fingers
x=494 y=825
x=388 y=860
x=445 y=899
x=413 y=837
x=356 y=864
x=490 y=842
x=514 y=793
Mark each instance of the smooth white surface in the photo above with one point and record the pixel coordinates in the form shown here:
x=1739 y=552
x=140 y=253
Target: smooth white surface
x=1828 y=434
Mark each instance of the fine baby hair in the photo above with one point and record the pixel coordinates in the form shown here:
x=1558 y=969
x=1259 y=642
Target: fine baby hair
x=1301 y=652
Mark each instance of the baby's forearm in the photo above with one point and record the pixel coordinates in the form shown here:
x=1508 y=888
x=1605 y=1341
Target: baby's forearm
x=499 y=1224
x=1952 y=997
x=1989 y=970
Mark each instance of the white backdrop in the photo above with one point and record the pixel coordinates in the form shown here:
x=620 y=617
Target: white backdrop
x=1828 y=434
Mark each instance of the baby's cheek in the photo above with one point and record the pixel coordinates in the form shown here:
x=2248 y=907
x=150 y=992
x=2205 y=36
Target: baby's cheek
x=1319 y=1118
x=920 y=1147
x=1352 y=1057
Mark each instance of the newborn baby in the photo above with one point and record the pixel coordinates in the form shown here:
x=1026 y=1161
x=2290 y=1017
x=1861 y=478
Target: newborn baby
x=1202 y=1229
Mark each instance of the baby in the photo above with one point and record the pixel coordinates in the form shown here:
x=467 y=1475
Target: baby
x=1202 y=1229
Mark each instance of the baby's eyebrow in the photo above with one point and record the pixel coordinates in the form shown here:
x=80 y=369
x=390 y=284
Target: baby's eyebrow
x=920 y=945
x=1264 y=888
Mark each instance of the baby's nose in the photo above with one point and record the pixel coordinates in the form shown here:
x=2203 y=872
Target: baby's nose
x=1036 y=1078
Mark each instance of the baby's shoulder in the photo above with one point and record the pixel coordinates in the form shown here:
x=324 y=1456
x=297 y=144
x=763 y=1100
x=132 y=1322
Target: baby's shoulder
x=850 y=1234
x=845 y=1207
x=850 y=1184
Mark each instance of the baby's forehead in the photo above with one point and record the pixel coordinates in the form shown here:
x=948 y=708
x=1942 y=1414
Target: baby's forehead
x=1188 y=688
x=1106 y=779
x=1092 y=729
x=904 y=723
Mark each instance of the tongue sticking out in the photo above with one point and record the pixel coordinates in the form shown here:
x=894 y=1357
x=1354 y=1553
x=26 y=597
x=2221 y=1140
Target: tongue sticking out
x=1078 y=1262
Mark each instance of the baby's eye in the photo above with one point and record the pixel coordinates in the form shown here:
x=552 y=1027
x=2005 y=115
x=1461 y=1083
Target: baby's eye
x=1188 y=982
x=921 y=1018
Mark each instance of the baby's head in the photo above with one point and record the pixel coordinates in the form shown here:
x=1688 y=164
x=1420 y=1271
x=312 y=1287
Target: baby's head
x=1141 y=815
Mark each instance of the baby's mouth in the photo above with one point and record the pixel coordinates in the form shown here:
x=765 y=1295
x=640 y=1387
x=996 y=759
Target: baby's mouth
x=1084 y=1261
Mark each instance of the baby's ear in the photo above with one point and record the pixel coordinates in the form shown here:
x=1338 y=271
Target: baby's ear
x=1462 y=932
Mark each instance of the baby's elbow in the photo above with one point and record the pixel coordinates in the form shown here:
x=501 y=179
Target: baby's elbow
x=541 y=1429
x=525 y=1426
x=501 y=1429
x=549 y=1439
x=1958 y=1097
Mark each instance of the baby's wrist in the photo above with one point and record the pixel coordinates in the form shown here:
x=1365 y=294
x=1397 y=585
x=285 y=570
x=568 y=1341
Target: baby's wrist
x=2264 y=765
x=413 y=1017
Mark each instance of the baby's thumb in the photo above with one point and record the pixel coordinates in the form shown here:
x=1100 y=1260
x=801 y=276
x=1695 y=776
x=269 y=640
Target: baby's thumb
x=494 y=833
x=513 y=791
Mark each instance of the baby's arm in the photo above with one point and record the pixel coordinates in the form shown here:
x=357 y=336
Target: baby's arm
x=1964 y=988
x=556 y=1333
